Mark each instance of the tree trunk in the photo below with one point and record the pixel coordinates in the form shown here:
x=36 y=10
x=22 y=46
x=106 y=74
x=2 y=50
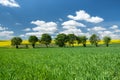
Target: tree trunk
x=33 y=45
x=96 y=44
x=69 y=45
x=46 y=45
x=84 y=45
x=72 y=45
x=26 y=45
x=16 y=46
x=107 y=45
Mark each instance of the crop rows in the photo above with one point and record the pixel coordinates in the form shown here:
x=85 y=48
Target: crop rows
x=60 y=64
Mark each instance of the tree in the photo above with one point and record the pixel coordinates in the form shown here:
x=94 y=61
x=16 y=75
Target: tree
x=83 y=40
x=71 y=39
x=33 y=39
x=107 y=40
x=61 y=39
x=15 y=41
x=46 y=39
x=94 y=39
x=79 y=40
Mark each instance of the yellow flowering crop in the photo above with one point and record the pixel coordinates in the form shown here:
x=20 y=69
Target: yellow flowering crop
x=6 y=43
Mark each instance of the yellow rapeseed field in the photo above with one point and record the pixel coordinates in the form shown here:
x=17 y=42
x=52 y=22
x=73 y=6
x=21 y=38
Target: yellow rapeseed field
x=7 y=43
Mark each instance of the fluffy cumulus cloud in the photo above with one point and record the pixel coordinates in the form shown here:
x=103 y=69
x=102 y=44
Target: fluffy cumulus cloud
x=5 y=33
x=95 y=19
x=38 y=34
x=9 y=3
x=105 y=33
x=47 y=27
x=117 y=30
x=72 y=27
x=3 y=28
x=97 y=28
x=101 y=32
x=82 y=15
x=108 y=33
x=72 y=24
x=114 y=27
x=43 y=27
x=72 y=31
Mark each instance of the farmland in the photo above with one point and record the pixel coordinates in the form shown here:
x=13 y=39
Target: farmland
x=7 y=43
x=78 y=63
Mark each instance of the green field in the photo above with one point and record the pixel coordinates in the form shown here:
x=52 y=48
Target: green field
x=76 y=63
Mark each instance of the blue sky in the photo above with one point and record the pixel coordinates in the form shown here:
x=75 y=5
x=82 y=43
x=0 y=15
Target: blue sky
x=82 y=17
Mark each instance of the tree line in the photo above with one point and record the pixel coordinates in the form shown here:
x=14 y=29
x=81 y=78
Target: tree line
x=61 y=40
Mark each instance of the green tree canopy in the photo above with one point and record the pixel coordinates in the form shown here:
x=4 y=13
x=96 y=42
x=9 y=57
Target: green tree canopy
x=94 y=39
x=79 y=40
x=61 y=39
x=107 y=40
x=33 y=39
x=16 y=41
x=46 y=39
x=71 y=39
x=82 y=39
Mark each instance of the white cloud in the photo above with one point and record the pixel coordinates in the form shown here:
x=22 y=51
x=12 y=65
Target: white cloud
x=6 y=34
x=72 y=27
x=72 y=31
x=38 y=22
x=97 y=28
x=109 y=33
x=46 y=27
x=117 y=30
x=43 y=27
x=115 y=36
x=114 y=27
x=22 y=35
x=3 y=28
x=82 y=15
x=27 y=29
x=9 y=3
x=72 y=24
x=95 y=19
x=38 y=34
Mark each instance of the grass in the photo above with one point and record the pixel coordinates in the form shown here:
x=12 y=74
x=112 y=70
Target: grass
x=76 y=63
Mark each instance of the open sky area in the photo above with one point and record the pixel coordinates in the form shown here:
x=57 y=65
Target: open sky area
x=82 y=17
